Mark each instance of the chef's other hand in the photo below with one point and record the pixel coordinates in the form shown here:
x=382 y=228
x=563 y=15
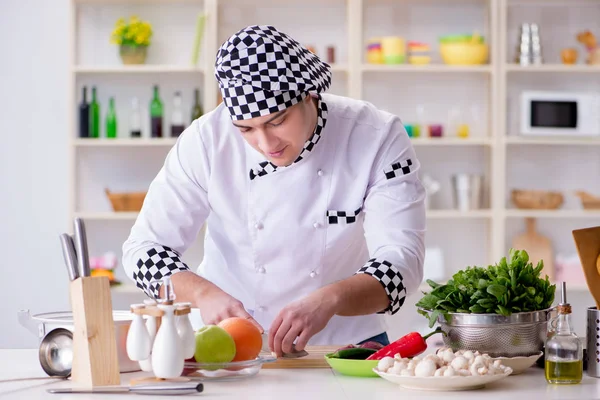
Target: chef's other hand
x=215 y=305
x=300 y=320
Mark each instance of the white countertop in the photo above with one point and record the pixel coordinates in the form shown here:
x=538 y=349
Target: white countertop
x=291 y=384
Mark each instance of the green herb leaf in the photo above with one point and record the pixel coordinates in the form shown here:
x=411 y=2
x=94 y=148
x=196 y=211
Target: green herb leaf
x=497 y=290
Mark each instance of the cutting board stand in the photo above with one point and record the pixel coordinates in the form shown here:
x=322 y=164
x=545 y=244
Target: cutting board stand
x=587 y=241
x=95 y=359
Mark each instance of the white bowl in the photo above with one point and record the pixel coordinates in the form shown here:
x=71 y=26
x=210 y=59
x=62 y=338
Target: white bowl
x=442 y=383
x=519 y=364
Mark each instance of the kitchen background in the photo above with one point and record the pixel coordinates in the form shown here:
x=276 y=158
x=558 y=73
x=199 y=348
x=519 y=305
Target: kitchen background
x=464 y=119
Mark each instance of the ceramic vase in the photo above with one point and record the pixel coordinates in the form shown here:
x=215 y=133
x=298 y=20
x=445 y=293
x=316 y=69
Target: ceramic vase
x=167 y=352
x=138 y=339
x=186 y=333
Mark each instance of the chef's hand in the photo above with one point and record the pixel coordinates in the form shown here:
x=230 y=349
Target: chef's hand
x=215 y=305
x=301 y=319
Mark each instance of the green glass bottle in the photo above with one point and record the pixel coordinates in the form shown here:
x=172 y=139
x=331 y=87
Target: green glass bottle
x=94 y=115
x=197 y=110
x=156 y=115
x=111 y=120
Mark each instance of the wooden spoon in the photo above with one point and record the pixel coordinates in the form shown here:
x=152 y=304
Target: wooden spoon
x=587 y=242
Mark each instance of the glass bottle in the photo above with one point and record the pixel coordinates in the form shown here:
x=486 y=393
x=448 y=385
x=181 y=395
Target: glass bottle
x=111 y=119
x=84 y=116
x=135 y=119
x=197 y=110
x=177 y=116
x=564 y=352
x=156 y=115
x=94 y=115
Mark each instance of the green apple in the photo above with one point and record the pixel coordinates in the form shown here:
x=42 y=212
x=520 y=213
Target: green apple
x=214 y=345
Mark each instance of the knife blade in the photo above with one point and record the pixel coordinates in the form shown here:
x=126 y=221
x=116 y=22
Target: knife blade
x=68 y=249
x=82 y=248
x=159 y=390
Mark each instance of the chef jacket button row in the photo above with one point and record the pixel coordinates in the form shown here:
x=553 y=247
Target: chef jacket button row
x=259 y=225
x=320 y=172
x=313 y=274
x=262 y=270
x=317 y=225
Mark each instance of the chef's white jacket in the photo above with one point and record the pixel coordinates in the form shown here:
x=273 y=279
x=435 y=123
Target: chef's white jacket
x=351 y=203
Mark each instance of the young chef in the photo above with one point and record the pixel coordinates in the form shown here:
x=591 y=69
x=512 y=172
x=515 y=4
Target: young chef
x=314 y=212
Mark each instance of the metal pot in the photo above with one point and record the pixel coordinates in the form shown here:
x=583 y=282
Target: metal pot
x=42 y=324
x=519 y=334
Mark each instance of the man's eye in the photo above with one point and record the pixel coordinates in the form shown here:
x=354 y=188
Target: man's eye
x=278 y=123
x=245 y=130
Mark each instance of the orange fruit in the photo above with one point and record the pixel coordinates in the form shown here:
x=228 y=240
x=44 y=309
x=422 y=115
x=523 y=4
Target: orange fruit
x=247 y=337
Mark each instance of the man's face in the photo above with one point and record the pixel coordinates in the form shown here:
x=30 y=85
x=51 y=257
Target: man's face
x=280 y=136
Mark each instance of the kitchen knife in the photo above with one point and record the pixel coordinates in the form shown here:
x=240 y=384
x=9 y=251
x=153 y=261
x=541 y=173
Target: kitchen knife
x=159 y=390
x=82 y=247
x=68 y=249
x=294 y=354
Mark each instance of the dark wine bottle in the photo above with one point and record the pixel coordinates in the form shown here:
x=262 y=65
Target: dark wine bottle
x=156 y=115
x=84 y=116
x=177 y=126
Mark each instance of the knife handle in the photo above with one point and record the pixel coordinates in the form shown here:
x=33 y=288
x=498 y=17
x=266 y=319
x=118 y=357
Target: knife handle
x=68 y=249
x=164 y=390
x=82 y=247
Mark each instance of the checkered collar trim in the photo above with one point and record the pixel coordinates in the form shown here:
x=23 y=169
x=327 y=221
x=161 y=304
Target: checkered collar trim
x=266 y=167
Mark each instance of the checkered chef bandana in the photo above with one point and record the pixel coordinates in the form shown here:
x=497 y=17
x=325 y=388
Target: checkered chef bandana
x=261 y=71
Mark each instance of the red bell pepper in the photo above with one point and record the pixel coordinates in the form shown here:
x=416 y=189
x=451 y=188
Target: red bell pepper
x=410 y=345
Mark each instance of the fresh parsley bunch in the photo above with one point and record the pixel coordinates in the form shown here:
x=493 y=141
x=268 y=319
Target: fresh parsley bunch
x=512 y=285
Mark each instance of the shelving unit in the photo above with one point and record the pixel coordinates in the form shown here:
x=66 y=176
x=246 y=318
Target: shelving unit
x=397 y=88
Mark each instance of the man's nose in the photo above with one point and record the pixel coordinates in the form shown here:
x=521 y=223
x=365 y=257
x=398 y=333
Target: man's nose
x=266 y=142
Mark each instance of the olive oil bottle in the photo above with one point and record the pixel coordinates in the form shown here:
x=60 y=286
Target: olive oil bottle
x=564 y=352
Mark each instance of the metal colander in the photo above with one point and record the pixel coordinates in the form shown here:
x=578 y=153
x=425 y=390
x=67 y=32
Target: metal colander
x=520 y=334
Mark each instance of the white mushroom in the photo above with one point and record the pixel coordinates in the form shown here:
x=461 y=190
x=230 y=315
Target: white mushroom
x=411 y=365
x=464 y=372
x=396 y=369
x=447 y=356
x=385 y=363
x=480 y=360
x=459 y=363
x=482 y=371
x=440 y=371
x=407 y=372
x=497 y=363
x=398 y=357
x=474 y=369
x=425 y=368
x=468 y=355
x=438 y=362
x=449 y=372
x=441 y=350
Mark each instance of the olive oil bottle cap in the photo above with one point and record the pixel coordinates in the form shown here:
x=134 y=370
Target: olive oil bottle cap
x=563 y=306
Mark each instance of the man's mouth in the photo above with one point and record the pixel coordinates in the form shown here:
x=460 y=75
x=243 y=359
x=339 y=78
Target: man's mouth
x=276 y=154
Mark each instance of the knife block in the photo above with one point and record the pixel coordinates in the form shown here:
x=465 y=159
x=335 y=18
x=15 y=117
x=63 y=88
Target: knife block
x=95 y=359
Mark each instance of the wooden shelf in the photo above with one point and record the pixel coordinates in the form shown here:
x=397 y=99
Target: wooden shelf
x=436 y=68
x=137 y=2
x=552 y=213
x=560 y=141
x=141 y=142
x=452 y=141
x=339 y=67
x=135 y=69
x=455 y=214
x=107 y=216
x=557 y=68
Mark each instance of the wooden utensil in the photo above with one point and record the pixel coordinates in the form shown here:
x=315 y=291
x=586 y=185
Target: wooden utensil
x=537 y=246
x=314 y=359
x=587 y=242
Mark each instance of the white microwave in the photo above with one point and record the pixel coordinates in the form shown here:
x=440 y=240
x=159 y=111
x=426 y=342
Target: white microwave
x=560 y=113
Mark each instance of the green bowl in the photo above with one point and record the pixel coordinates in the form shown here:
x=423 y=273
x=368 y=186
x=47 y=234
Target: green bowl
x=363 y=368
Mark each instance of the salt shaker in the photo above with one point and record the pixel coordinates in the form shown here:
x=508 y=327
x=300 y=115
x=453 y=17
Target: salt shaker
x=186 y=332
x=151 y=325
x=167 y=352
x=138 y=340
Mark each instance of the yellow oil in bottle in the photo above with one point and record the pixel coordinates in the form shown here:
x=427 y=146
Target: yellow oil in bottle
x=564 y=372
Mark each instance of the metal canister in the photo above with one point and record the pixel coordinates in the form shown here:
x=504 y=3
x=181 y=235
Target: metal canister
x=593 y=342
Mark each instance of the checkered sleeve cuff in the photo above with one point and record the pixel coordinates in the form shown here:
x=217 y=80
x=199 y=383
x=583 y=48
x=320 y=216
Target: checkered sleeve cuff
x=157 y=263
x=391 y=280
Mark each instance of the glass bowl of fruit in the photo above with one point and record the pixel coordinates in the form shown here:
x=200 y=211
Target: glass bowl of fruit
x=229 y=350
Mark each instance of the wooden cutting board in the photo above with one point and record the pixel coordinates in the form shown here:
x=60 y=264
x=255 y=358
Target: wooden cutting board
x=587 y=242
x=314 y=359
x=537 y=246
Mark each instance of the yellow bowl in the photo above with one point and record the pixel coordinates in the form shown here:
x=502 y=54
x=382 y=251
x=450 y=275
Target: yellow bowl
x=464 y=53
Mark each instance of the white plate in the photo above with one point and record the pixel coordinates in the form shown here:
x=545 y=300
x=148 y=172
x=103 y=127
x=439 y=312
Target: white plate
x=519 y=364
x=443 y=383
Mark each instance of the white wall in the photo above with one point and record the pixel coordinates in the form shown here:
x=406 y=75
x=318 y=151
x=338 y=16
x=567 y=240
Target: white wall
x=33 y=161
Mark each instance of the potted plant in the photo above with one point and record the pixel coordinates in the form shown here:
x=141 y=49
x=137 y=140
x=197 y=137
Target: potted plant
x=133 y=38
